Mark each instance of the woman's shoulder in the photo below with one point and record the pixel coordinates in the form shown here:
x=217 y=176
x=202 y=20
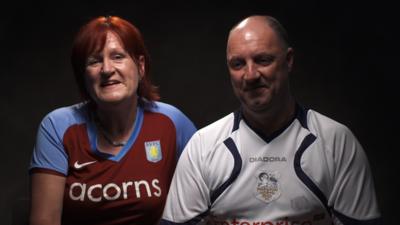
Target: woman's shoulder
x=180 y=120
x=72 y=114
x=164 y=108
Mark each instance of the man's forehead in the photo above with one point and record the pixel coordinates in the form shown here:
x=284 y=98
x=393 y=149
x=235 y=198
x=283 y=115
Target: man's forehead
x=252 y=39
x=260 y=20
x=251 y=31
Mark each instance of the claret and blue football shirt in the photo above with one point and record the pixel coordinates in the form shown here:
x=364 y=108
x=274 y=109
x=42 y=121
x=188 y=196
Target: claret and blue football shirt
x=127 y=188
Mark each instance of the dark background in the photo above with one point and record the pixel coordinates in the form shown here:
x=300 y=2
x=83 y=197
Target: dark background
x=345 y=61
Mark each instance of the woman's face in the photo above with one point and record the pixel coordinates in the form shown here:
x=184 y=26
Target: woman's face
x=112 y=75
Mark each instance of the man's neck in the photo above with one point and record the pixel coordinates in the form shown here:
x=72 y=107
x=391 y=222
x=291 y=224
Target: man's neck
x=271 y=120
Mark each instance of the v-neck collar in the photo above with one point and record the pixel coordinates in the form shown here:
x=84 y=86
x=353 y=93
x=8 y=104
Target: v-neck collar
x=92 y=134
x=300 y=114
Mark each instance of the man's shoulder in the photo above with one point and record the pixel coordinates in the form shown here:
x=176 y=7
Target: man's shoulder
x=223 y=125
x=217 y=131
x=323 y=120
x=324 y=126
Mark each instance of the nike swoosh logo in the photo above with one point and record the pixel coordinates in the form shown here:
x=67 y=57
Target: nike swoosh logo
x=78 y=165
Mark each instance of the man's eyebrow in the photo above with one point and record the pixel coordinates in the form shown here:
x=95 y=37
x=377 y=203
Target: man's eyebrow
x=263 y=54
x=235 y=58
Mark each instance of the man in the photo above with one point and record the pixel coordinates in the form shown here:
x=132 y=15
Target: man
x=317 y=171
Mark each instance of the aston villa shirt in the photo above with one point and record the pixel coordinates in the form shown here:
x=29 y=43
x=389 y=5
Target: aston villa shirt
x=127 y=188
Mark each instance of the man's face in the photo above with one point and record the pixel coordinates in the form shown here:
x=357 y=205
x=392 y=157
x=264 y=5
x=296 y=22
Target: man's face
x=258 y=64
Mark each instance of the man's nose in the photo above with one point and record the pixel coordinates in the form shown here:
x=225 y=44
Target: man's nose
x=251 y=72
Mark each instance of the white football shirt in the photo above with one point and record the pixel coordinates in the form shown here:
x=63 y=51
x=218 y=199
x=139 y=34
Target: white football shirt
x=312 y=171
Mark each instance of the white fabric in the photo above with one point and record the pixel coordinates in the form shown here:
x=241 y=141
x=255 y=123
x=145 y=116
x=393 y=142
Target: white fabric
x=334 y=162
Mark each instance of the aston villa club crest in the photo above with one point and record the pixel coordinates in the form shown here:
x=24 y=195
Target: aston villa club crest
x=268 y=188
x=153 y=151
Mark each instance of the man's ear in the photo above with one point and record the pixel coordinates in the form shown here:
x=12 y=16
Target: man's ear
x=289 y=58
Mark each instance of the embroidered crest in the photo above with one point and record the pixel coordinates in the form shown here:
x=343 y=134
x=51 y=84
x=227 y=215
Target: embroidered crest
x=268 y=188
x=153 y=151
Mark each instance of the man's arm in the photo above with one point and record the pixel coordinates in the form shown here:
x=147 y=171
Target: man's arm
x=353 y=194
x=188 y=197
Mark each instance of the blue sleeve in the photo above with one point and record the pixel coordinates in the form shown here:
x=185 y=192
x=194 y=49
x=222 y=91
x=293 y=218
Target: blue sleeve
x=49 y=152
x=184 y=126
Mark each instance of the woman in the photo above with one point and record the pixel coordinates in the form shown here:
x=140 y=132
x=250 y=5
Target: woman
x=110 y=159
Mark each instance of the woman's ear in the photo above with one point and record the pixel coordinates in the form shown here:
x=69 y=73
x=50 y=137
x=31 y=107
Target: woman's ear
x=141 y=67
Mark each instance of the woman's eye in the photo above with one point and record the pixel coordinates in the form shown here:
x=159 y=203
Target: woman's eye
x=118 y=56
x=91 y=61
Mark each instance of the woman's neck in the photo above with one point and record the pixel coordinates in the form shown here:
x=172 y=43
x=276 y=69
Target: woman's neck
x=114 y=126
x=117 y=119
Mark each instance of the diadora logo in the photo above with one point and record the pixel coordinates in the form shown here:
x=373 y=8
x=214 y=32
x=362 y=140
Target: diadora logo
x=79 y=166
x=112 y=191
x=267 y=159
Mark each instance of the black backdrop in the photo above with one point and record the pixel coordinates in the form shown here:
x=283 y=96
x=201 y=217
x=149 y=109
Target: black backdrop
x=345 y=63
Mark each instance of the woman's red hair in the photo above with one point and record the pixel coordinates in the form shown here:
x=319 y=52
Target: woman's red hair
x=92 y=38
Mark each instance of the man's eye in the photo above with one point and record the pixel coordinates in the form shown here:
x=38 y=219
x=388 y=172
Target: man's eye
x=236 y=64
x=264 y=60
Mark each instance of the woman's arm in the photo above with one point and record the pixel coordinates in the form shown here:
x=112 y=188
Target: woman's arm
x=47 y=192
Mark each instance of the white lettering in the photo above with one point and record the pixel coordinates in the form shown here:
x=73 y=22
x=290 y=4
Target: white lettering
x=90 y=190
x=108 y=186
x=155 y=183
x=113 y=191
x=81 y=195
x=137 y=188
x=125 y=186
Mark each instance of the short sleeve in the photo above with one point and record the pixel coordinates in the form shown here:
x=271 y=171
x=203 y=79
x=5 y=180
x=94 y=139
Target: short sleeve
x=353 y=194
x=48 y=152
x=184 y=126
x=188 y=197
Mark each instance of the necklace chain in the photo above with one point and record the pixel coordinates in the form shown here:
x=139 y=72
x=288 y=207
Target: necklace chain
x=111 y=142
x=108 y=139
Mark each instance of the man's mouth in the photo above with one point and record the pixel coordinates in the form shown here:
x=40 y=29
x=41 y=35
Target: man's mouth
x=254 y=87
